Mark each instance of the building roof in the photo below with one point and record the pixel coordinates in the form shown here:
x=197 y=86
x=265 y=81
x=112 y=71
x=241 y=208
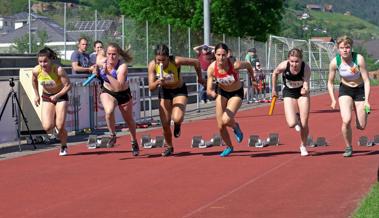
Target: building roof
x=323 y=39
x=25 y=15
x=53 y=30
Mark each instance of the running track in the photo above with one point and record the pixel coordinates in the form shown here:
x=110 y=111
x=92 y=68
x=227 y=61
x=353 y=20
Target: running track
x=252 y=182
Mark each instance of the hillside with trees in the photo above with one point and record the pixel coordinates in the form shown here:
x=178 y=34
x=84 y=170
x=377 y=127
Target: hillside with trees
x=364 y=9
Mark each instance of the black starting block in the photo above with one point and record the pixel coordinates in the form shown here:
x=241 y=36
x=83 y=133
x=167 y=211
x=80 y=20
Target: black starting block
x=365 y=141
x=199 y=142
x=320 y=141
x=94 y=142
x=255 y=141
x=148 y=142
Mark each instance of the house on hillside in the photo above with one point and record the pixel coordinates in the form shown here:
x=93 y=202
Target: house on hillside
x=317 y=7
x=314 y=7
x=6 y=25
x=19 y=28
x=328 y=7
x=38 y=23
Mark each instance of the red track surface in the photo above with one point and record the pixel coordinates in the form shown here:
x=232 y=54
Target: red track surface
x=252 y=182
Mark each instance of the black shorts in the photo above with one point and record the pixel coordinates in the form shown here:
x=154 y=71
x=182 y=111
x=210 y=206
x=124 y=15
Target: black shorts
x=356 y=93
x=172 y=93
x=121 y=97
x=292 y=93
x=46 y=98
x=228 y=95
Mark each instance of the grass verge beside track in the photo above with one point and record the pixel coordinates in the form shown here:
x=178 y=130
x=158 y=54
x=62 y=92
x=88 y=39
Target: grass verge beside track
x=369 y=206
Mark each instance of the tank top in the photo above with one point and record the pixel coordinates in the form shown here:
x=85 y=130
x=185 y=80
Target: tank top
x=348 y=71
x=171 y=73
x=49 y=79
x=226 y=78
x=293 y=81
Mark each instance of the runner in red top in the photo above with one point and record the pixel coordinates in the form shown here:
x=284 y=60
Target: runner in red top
x=228 y=94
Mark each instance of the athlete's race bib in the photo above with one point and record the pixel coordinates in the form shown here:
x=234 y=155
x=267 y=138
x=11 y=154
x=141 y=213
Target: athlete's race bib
x=294 y=84
x=227 y=80
x=48 y=84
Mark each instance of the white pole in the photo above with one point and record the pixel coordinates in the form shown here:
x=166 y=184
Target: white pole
x=123 y=32
x=207 y=28
x=30 y=28
x=64 y=29
x=169 y=38
x=95 y=25
x=147 y=42
x=189 y=42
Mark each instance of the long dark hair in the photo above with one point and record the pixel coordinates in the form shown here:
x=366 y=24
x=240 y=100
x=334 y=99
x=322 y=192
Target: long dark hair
x=161 y=49
x=221 y=45
x=124 y=54
x=47 y=52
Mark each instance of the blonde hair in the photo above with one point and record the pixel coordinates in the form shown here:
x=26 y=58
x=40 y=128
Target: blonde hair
x=344 y=39
x=295 y=52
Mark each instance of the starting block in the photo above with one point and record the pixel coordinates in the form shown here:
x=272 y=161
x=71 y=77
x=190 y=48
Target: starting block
x=365 y=141
x=199 y=142
x=94 y=142
x=320 y=141
x=255 y=141
x=148 y=142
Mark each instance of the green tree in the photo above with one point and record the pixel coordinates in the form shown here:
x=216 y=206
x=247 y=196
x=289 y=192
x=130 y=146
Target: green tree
x=11 y=7
x=38 y=42
x=252 y=18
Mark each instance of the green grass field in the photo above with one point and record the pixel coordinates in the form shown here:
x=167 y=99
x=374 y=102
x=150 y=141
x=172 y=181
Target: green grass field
x=369 y=207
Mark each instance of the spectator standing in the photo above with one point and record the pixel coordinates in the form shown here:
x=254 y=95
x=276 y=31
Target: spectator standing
x=80 y=60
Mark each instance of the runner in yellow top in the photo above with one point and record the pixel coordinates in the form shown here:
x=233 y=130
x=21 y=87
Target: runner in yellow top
x=55 y=85
x=173 y=93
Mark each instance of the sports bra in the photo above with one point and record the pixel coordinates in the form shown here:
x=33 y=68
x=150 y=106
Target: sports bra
x=171 y=73
x=348 y=71
x=113 y=72
x=293 y=81
x=226 y=78
x=49 y=79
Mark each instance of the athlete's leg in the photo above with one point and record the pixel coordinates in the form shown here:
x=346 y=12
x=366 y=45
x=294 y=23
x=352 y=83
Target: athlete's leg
x=221 y=103
x=346 y=105
x=178 y=110
x=48 y=116
x=304 y=106
x=127 y=113
x=109 y=105
x=361 y=116
x=60 y=119
x=165 y=110
x=233 y=104
x=290 y=109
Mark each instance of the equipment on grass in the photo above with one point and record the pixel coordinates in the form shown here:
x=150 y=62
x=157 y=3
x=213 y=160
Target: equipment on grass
x=148 y=142
x=199 y=142
x=255 y=141
x=272 y=106
x=89 y=79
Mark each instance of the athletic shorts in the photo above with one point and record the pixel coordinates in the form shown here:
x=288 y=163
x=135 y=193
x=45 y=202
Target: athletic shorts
x=170 y=94
x=228 y=95
x=46 y=98
x=356 y=93
x=292 y=93
x=122 y=97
